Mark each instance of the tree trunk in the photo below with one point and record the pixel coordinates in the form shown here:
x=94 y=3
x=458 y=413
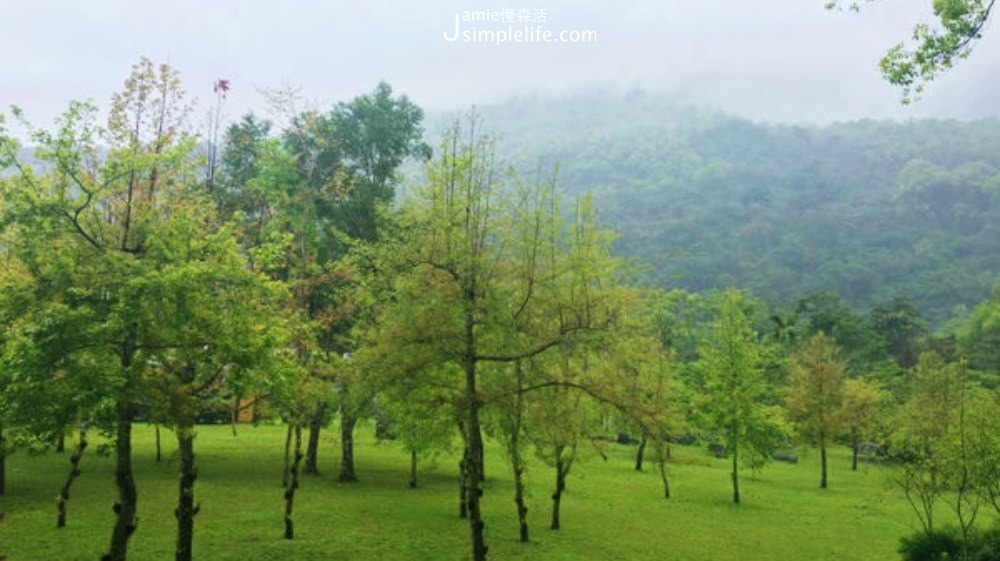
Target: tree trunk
x=347 y=423
x=514 y=450
x=736 y=475
x=312 y=449
x=662 y=451
x=74 y=472
x=186 y=509
x=288 y=457
x=125 y=508
x=293 y=484
x=560 y=487
x=3 y=462
x=158 y=449
x=522 y=509
x=235 y=417
x=474 y=456
x=822 y=462
x=413 y=469
x=61 y=443
x=855 y=444
x=639 y=453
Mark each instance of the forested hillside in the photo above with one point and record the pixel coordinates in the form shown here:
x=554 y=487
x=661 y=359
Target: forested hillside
x=871 y=210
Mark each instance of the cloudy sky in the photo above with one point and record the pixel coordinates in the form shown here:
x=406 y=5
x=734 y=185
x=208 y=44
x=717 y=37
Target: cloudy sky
x=784 y=60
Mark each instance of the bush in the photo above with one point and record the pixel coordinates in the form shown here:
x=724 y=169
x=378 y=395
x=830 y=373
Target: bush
x=934 y=546
x=947 y=544
x=988 y=546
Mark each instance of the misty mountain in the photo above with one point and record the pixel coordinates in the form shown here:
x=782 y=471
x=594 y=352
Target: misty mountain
x=870 y=209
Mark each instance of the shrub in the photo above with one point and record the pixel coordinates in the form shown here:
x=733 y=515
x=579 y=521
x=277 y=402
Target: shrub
x=933 y=546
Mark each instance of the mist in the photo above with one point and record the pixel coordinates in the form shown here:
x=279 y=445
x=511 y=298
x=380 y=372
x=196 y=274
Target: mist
x=773 y=60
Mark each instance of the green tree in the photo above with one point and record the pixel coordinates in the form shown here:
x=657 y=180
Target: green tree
x=473 y=291
x=899 y=324
x=815 y=394
x=127 y=235
x=347 y=160
x=734 y=389
x=862 y=410
x=980 y=338
x=933 y=390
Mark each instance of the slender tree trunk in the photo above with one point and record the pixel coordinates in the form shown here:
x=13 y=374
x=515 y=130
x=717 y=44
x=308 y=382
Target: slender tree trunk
x=125 y=508
x=560 y=487
x=347 y=423
x=522 y=508
x=639 y=453
x=661 y=462
x=413 y=469
x=736 y=474
x=61 y=443
x=855 y=444
x=312 y=449
x=474 y=456
x=514 y=450
x=3 y=462
x=293 y=484
x=158 y=449
x=822 y=461
x=288 y=456
x=74 y=472
x=186 y=509
x=235 y=417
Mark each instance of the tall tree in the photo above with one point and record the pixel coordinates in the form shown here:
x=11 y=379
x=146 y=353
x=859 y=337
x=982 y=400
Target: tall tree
x=472 y=291
x=816 y=394
x=734 y=390
x=349 y=158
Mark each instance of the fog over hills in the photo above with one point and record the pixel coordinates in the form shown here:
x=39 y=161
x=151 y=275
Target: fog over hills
x=871 y=209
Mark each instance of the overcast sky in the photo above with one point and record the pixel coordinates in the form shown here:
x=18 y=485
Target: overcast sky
x=783 y=60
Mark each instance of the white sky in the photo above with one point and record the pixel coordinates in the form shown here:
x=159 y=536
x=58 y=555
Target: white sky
x=787 y=60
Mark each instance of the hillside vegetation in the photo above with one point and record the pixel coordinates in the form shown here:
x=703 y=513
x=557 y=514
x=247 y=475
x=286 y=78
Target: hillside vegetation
x=870 y=210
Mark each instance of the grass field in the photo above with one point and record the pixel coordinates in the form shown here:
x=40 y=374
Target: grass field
x=610 y=512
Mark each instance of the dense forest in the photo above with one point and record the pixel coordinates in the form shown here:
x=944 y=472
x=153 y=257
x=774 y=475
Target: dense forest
x=704 y=200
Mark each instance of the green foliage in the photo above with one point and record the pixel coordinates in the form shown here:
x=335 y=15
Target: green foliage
x=734 y=388
x=981 y=336
x=815 y=394
x=939 y=545
x=705 y=201
x=960 y=23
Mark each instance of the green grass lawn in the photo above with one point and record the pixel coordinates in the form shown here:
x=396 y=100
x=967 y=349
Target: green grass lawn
x=609 y=511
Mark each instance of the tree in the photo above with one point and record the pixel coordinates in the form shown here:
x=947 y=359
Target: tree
x=980 y=338
x=214 y=326
x=900 y=325
x=478 y=284
x=827 y=312
x=510 y=412
x=961 y=24
x=933 y=390
x=558 y=417
x=816 y=394
x=946 y=434
x=862 y=404
x=347 y=160
x=126 y=236
x=104 y=211
x=734 y=389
